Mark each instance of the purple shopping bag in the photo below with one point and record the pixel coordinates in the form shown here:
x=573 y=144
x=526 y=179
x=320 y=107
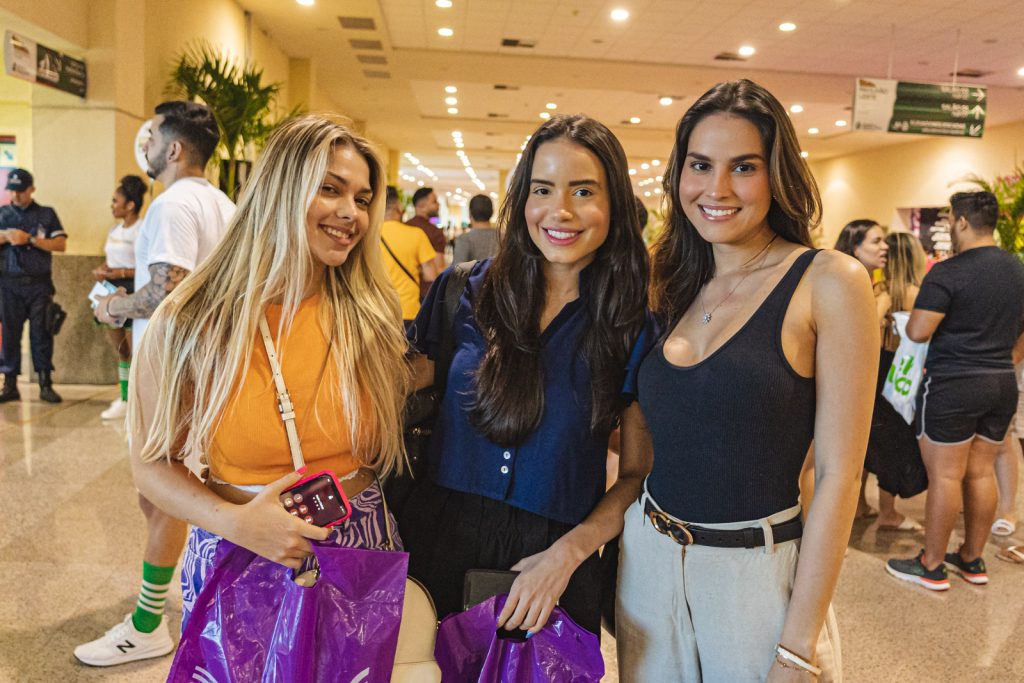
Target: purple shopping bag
x=469 y=649
x=251 y=622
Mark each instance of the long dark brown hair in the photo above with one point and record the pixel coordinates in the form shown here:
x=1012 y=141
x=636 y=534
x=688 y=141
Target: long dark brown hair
x=510 y=380
x=682 y=260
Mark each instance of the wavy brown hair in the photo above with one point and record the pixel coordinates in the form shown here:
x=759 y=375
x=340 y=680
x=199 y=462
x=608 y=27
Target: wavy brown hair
x=682 y=261
x=509 y=399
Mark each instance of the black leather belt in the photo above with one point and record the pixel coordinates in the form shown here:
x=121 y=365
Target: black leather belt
x=689 y=534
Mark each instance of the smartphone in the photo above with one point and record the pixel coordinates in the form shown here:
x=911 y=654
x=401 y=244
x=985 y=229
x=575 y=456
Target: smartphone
x=100 y=289
x=318 y=499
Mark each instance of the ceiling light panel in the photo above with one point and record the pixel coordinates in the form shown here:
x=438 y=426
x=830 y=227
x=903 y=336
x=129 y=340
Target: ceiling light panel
x=656 y=33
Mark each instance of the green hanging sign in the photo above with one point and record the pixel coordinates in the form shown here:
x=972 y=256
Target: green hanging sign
x=920 y=108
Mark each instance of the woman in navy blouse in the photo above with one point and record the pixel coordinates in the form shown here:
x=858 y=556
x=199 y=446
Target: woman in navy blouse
x=546 y=337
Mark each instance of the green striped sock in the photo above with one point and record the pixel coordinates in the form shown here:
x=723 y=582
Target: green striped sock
x=150 y=607
x=123 y=368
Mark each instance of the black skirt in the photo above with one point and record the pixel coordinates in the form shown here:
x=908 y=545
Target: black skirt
x=893 y=452
x=448 y=532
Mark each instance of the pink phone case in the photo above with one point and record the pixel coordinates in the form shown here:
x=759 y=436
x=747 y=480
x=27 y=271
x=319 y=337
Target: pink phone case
x=317 y=498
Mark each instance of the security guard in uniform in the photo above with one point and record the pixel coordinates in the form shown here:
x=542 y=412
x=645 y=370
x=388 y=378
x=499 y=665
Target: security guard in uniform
x=29 y=233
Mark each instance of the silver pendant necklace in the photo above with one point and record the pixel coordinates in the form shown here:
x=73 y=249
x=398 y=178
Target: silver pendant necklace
x=706 y=318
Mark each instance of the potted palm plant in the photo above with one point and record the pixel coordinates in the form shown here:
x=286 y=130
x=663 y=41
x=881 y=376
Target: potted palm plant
x=246 y=109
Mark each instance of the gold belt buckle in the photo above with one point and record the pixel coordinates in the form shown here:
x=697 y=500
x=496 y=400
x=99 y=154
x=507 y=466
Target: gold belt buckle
x=671 y=528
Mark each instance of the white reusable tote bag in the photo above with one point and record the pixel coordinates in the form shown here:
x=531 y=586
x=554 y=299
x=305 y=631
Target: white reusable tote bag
x=904 y=378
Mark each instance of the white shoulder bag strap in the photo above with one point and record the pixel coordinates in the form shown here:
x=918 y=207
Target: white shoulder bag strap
x=284 y=401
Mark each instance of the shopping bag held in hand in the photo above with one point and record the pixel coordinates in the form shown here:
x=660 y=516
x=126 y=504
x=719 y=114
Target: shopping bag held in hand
x=907 y=370
x=471 y=649
x=252 y=622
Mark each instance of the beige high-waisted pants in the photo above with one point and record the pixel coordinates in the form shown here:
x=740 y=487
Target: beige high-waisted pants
x=699 y=614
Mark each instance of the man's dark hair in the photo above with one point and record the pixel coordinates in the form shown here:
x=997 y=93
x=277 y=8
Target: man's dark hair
x=191 y=124
x=481 y=208
x=391 y=198
x=981 y=209
x=421 y=194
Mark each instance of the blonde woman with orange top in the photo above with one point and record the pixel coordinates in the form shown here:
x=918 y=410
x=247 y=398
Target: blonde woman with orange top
x=302 y=250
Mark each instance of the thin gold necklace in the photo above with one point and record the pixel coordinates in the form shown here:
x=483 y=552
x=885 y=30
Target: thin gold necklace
x=706 y=318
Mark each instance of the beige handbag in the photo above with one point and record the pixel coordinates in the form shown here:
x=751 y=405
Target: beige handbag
x=414 y=656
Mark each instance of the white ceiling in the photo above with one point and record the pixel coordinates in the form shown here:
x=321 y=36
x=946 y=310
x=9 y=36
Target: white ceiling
x=584 y=62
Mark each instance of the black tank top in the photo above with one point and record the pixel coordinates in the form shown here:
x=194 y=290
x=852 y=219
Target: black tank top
x=730 y=433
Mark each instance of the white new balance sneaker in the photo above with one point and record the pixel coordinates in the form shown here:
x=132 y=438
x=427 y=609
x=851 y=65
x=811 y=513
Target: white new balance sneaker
x=124 y=643
x=117 y=410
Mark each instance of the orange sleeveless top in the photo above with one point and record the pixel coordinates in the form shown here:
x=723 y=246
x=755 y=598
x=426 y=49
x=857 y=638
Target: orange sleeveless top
x=250 y=445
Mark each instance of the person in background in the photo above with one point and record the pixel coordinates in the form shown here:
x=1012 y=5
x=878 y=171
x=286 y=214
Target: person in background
x=29 y=235
x=865 y=240
x=971 y=310
x=408 y=256
x=425 y=206
x=763 y=351
x=183 y=226
x=641 y=213
x=482 y=239
x=119 y=270
x=546 y=337
x=893 y=453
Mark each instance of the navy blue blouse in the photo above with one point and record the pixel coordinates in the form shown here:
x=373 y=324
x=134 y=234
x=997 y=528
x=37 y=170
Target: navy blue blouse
x=558 y=472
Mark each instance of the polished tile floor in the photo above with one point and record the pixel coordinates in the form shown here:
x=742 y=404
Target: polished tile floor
x=70 y=563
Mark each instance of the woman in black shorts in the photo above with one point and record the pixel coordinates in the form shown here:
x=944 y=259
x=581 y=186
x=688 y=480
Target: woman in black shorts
x=971 y=307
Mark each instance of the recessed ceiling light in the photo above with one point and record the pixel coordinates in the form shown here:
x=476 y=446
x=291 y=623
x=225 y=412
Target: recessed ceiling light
x=657 y=190
x=787 y=26
x=447 y=194
x=659 y=178
x=797 y=108
x=451 y=89
x=544 y=115
x=746 y=51
x=634 y=119
x=456 y=133
x=420 y=183
x=551 y=105
x=804 y=154
x=645 y=166
x=841 y=123
x=453 y=110
x=445 y=32
x=459 y=144
x=620 y=14
x=647 y=194
x=655 y=162
x=665 y=101
x=443 y=4
x=632 y=171
x=306 y=3
x=451 y=100
x=813 y=131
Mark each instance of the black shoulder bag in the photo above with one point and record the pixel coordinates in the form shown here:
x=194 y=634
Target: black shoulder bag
x=423 y=406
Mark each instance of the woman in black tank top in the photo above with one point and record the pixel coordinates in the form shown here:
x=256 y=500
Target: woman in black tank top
x=763 y=352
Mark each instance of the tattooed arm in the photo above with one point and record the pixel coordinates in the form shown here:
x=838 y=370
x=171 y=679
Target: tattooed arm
x=163 y=279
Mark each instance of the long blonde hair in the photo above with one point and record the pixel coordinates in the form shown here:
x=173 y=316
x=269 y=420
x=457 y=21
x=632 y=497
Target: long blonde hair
x=904 y=270
x=208 y=324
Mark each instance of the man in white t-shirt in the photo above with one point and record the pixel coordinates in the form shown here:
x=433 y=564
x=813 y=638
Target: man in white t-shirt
x=182 y=227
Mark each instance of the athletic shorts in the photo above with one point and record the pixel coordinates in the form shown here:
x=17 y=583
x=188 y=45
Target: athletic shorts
x=953 y=410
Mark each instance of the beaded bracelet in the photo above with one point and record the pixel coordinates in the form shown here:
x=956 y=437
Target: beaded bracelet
x=784 y=656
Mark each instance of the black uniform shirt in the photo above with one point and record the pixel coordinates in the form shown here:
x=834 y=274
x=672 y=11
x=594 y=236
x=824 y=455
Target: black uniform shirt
x=26 y=259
